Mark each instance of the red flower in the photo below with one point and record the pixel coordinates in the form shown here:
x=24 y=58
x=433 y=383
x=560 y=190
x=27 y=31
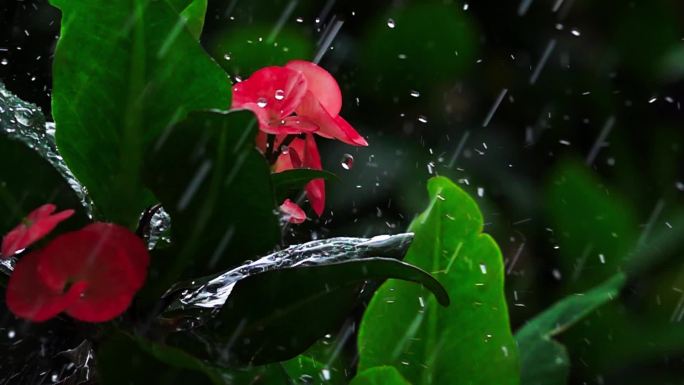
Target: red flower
x=273 y=93
x=35 y=226
x=298 y=98
x=301 y=87
x=303 y=153
x=293 y=213
x=91 y=274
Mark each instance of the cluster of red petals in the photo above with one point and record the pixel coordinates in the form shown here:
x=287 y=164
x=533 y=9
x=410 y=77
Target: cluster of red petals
x=91 y=274
x=35 y=226
x=299 y=98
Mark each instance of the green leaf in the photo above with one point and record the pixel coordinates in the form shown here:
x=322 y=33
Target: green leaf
x=381 y=375
x=244 y=48
x=123 y=359
x=110 y=101
x=37 y=181
x=286 y=181
x=595 y=229
x=192 y=12
x=545 y=361
x=216 y=186
x=306 y=370
x=261 y=323
x=404 y=328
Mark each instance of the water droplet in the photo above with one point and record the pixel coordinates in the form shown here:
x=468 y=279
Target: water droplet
x=483 y=268
x=415 y=93
x=299 y=20
x=11 y=334
x=4 y=61
x=391 y=23
x=347 y=162
x=422 y=119
x=262 y=102
x=227 y=56
x=284 y=150
x=280 y=94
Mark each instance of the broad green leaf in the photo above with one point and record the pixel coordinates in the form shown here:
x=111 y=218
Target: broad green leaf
x=244 y=48
x=123 y=359
x=192 y=12
x=286 y=181
x=595 y=229
x=425 y=32
x=262 y=323
x=111 y=100
x=216 y=186
x=381 y=375
x=545 y=361
x=469 y=342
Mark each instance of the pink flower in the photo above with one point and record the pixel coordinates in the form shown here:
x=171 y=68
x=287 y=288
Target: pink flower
x=303 y=153
x=302 y=99
x=91 y=274
x=35 y=226
x=275 y=94
x=292 y=212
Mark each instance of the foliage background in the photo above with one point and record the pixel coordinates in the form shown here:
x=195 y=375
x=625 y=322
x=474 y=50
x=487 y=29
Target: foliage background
x=564 y=223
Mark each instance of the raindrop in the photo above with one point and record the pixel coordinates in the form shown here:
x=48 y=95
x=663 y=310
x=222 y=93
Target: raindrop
x=415 y=93
x=284 y=150
x=483 y=268
x=575 y=32
x=347 y=162
x=391 y=23
x=306 y=379
x=262 y=102
x=227 y=56
x=422 y=119
x=299 y=20
x=11 y=334
x=325 y=373
x=280 y=94
x=4 y=61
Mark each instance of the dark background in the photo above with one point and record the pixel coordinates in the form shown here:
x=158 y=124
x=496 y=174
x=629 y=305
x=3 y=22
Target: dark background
x=574 y=170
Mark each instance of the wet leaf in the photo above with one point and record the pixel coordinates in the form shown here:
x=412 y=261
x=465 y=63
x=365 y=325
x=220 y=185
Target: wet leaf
x=216 y=186
x=404 y=328
x=261 y=323
x=287 y=181
x=110 y=101
x=37 y=181
x=381 y=375
x=307 y=370
x=545 y=361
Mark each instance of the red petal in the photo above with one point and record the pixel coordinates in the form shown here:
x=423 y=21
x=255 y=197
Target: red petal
x=321 y=84
x=41 y=222
x=292 y=212
x=41 y=212
x=27 y=296
x=329 y=126
x=292 y=158
x=101 y=306
x=109 y=258
x=272 y=93
x=315 y=190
